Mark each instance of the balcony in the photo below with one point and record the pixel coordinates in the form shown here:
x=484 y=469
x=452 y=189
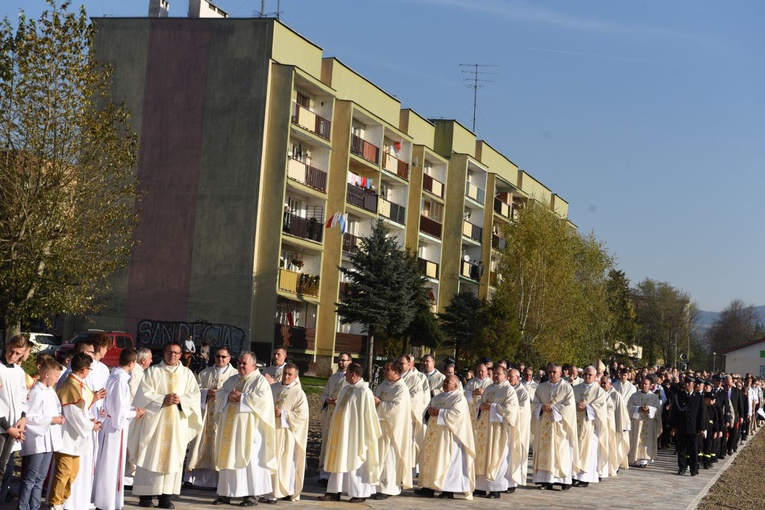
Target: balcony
x=361 y=198
x=350 y=243
x=430 y=227
x=393 y=211
x=474 y=192
x=474 y=232
x=298 y=283
x=365 y=150
x=307 y=174
x=297 y=226
x=305 y=118
x=502 y=208
x=498 y=243
x=433 y=186
x=471 y=270
x=395 y=166
x=295 y=337
x=428 y=268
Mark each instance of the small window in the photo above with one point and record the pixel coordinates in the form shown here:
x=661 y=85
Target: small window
x=122 y=342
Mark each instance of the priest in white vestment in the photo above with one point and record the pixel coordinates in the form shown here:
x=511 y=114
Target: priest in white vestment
x=352 y=457
x=328 y=401
x=553 y=418
x=447 y=459
x=524 y=422
x=623 y=385
x=529 y=383
x=394 y=409
x=109 y=483
x=592 y=429
x=419 y=402
x=644 y=408
x=274 y=373
x=170 y=394
x=435 y=378
x=200 y=469
x=144 y=362
x=291 y=411
x=246 y=436
x=618 y=428
x=498 y=438
x=474 y=390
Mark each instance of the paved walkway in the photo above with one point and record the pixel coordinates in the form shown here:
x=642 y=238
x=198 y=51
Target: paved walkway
x=656 y=486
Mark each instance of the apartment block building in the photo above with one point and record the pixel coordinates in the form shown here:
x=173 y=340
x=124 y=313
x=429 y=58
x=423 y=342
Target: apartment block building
x=252 y=141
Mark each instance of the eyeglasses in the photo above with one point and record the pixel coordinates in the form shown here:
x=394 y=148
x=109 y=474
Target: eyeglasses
x=218 y=356
x=174 y=353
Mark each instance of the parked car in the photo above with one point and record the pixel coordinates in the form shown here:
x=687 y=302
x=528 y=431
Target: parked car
x=44 y=343
x=118 y=340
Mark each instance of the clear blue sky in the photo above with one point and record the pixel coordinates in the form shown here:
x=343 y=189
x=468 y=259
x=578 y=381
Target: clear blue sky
x=647 y=116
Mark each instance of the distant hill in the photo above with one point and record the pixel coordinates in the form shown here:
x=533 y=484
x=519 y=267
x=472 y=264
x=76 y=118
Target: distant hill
x=706 y=319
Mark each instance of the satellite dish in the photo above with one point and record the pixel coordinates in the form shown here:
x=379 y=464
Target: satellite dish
x=415 y=161
x=466 y=258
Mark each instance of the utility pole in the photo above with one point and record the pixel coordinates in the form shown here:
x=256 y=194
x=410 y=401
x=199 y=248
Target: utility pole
x=474 y=81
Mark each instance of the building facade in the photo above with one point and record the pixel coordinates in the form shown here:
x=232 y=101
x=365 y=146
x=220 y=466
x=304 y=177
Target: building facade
x=251 y=142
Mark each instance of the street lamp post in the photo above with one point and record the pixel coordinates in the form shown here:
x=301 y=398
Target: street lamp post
x=714 y=362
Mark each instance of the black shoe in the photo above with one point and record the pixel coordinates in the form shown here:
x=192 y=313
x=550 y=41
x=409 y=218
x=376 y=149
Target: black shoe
x=379 y=496
x=248 y=501
x=492 y=495
x=510 y=490
x=330 y=496
x=681 y=471
x=286 y=498
x=323 y=482
x=425 y=492
x=165 y=503
x=446 y=495
x=222 y=501
x=694 y=472
x=266 y=500
x=145 y=502
x=565 y=486
x=545 y=486
x=479 y=493
x=583 y=485
x=730 y=452
x=357 y=500
x=187 y=485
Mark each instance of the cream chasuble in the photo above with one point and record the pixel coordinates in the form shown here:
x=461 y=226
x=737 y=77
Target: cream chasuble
x=646 y=426
x=331 y=390
x=449 y=429
x=625 y=389
x=475 y=400
x=524 y=428
x=556 y=448
x=165 y=431
x=418 y=406
x=202 y=449
x=239 y=422
x=396 y=424
x=354 y=434
x=495 y=439
x=592 y=425
x=619 y=438
x=291 y=439
x=435 y=381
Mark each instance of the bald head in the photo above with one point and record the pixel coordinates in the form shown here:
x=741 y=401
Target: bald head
x=451 y=383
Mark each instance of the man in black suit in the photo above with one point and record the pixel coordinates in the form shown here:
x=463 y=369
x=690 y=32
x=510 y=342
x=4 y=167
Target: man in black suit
x=687 y=417
x=738 y=412
x=723 y=404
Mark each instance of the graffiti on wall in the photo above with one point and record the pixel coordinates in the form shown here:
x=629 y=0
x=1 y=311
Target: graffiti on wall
x=155 y=334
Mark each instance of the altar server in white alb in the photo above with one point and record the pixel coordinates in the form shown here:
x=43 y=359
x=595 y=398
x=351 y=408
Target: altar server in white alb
x=291 y=411
x=246 y=459
x=109 y=483
x=644 y=407
x=43 y=432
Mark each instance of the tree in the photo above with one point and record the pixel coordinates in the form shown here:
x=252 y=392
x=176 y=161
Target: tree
x=666 y=318
x=461 y=322
x=624 y=328
x=552 y=296
x=736 y=325
x=67 y=191
x=386 y=285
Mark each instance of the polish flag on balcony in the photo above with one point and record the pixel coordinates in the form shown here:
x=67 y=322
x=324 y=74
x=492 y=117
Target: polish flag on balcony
x=397 y=148
x=333 y=220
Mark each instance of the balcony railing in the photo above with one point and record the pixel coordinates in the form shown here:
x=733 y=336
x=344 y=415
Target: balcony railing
x=432 y=185
x=474 y=232
x=350 y=243
x=307 y=174
x=361 y=198
x=498 y=243
x=428 y=268
x=430 y=227
x=364 y=149
x=316 y=124
x=396 y=166
x=298 y=283
x=297 y=226
x=471 y=270
x=474 y=192
x=393 y=211
x=502 y=208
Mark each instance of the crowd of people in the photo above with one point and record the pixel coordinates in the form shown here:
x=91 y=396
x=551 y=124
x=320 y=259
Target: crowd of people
x=241 y=431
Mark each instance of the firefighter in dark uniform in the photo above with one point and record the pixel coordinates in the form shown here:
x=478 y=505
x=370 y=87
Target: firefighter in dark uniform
x=723 y=405
x=687 y=418
x=713 y=429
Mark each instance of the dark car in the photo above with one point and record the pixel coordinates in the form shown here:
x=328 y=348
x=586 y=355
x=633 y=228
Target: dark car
x=118 y=340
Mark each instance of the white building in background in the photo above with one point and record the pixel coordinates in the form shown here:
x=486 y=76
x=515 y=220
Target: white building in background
x=748 y=358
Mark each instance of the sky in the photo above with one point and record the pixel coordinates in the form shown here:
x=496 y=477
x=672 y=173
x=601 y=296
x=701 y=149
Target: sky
x=647 y=116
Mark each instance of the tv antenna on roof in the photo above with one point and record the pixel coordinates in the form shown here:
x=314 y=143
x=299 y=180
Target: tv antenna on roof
x=474 y=82
x=264 y=14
